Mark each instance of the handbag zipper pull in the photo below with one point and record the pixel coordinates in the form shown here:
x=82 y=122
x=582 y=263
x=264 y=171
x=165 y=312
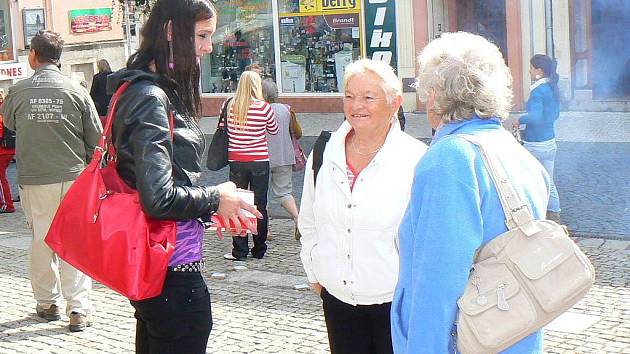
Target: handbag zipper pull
x=481 y=299
x=502 y=303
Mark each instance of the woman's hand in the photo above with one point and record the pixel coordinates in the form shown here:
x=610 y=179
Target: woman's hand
x=231 y=208
x=317 y=288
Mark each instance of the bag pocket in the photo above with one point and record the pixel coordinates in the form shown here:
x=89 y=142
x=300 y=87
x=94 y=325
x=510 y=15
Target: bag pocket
x=494 y=309
x=556 y=269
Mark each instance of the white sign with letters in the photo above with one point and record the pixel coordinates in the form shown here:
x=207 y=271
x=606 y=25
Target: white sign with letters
x=12 y=71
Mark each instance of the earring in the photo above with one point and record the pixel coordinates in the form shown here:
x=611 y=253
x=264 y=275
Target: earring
x=537 y=77
x=171 y=60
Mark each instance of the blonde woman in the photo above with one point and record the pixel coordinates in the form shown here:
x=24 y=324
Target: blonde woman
x=249 y=119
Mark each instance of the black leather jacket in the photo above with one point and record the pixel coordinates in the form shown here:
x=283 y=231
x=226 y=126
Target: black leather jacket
x=163 y=171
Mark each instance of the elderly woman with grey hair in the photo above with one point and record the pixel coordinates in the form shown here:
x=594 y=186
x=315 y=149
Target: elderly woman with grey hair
x=349 y=220
x=454 y=207
x=281 y=154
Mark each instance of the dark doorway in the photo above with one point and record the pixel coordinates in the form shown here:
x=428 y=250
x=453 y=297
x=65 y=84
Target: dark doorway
x=611 y=52
x=486 y=18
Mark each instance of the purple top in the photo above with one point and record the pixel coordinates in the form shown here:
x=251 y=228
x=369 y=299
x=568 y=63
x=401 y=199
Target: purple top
x=188 y=242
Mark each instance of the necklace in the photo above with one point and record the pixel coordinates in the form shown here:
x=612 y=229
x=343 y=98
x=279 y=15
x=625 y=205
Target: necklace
x=370 y=153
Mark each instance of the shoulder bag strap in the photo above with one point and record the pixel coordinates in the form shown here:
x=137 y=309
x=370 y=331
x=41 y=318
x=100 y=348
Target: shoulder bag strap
x=517 y=213
x=318 y=153
x=224 y=114
x=105 y=141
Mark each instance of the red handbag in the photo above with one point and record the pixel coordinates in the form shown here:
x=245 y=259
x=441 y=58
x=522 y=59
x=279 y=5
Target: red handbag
x=101 y=229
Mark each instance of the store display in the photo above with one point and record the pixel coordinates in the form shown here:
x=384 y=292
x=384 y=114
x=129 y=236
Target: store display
x=327 y=51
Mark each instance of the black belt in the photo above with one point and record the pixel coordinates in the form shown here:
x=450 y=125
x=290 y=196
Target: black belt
x=188 y=267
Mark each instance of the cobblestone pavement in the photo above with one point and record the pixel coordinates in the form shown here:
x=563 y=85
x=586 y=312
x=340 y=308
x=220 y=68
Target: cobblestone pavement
x=257 y=310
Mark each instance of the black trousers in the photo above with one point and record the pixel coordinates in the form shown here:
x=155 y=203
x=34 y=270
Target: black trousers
x=179 y=320
x=362 y=329
x=255 y=177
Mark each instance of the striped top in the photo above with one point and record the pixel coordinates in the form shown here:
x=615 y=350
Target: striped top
x=248 y=143
x=188 y=243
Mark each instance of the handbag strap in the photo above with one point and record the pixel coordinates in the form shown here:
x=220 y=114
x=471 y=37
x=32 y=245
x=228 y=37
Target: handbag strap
x=517 y=213
x=104 y=142
x=224 y=114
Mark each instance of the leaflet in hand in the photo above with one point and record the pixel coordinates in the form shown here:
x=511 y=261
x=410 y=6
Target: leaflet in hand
x=248 y=197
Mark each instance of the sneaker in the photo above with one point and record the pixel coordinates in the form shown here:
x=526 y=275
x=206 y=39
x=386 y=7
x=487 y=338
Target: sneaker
x=78 y=322
x=297 y=235
x=49 y=314
x=230 y=257
x=4 y=209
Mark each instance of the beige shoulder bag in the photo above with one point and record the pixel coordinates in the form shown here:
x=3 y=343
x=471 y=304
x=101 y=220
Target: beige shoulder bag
x=521 y=280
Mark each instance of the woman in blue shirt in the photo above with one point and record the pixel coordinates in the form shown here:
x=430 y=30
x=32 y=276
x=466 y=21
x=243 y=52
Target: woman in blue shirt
x=543 y=109
x=454 y=207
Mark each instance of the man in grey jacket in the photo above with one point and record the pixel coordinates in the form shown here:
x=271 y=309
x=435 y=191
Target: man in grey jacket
x=57 y=128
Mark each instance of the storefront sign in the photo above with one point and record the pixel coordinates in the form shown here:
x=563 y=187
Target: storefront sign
x=13 y=71
x=342 y=20
x=329 y=5
x=380 y=27
x=91 y=20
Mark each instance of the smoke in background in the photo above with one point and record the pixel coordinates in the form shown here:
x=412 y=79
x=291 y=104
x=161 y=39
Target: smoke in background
x=611 y=52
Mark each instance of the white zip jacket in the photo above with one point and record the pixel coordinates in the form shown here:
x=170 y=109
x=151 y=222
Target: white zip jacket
x=349 y=238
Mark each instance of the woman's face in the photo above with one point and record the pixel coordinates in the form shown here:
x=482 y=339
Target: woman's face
x=365 y=103
x=203 y=36
x=535 y=74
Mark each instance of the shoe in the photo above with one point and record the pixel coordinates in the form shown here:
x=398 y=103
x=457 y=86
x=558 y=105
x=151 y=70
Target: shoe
x=49 y=314
x=554 y=216
x=5 y=209
x=78 y=322
x=297 y=234
x=230 y=257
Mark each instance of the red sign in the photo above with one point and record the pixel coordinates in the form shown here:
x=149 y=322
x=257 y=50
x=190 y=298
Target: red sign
x=91 y=20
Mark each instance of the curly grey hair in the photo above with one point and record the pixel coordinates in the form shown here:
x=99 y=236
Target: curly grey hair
x=467 y=75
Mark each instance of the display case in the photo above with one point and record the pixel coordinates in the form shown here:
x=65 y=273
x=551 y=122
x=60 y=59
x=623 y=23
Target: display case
x=244 y=36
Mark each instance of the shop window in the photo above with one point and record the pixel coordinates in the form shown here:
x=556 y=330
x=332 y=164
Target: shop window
x=244 y=36
x=6 y=37
x=318 y=39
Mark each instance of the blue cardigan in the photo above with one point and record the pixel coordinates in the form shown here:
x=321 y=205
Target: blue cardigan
x=543 y=109
x=454 y=209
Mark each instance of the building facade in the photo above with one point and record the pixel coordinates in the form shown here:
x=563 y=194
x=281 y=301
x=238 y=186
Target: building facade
x=304 y=45
x=91 y=31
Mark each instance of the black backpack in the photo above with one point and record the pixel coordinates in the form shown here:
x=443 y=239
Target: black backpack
x=8 y=138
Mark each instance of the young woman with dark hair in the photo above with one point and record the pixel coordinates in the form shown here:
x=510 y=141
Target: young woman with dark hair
x=159 y=146
x=543 y=109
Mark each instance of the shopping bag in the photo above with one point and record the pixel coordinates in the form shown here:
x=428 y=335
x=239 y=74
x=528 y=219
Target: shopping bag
x=101 y=229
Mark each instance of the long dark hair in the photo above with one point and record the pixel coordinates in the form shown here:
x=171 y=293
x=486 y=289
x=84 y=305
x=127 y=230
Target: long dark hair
x=155 y=47
x=548 y=66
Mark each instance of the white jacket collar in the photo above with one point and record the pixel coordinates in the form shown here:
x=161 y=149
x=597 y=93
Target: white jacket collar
x=338 y=141
x=539 y=82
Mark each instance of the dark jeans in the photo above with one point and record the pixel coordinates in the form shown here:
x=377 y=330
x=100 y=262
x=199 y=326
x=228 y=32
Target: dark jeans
x=177 y=321
x=362 y=329
x=255 y=177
